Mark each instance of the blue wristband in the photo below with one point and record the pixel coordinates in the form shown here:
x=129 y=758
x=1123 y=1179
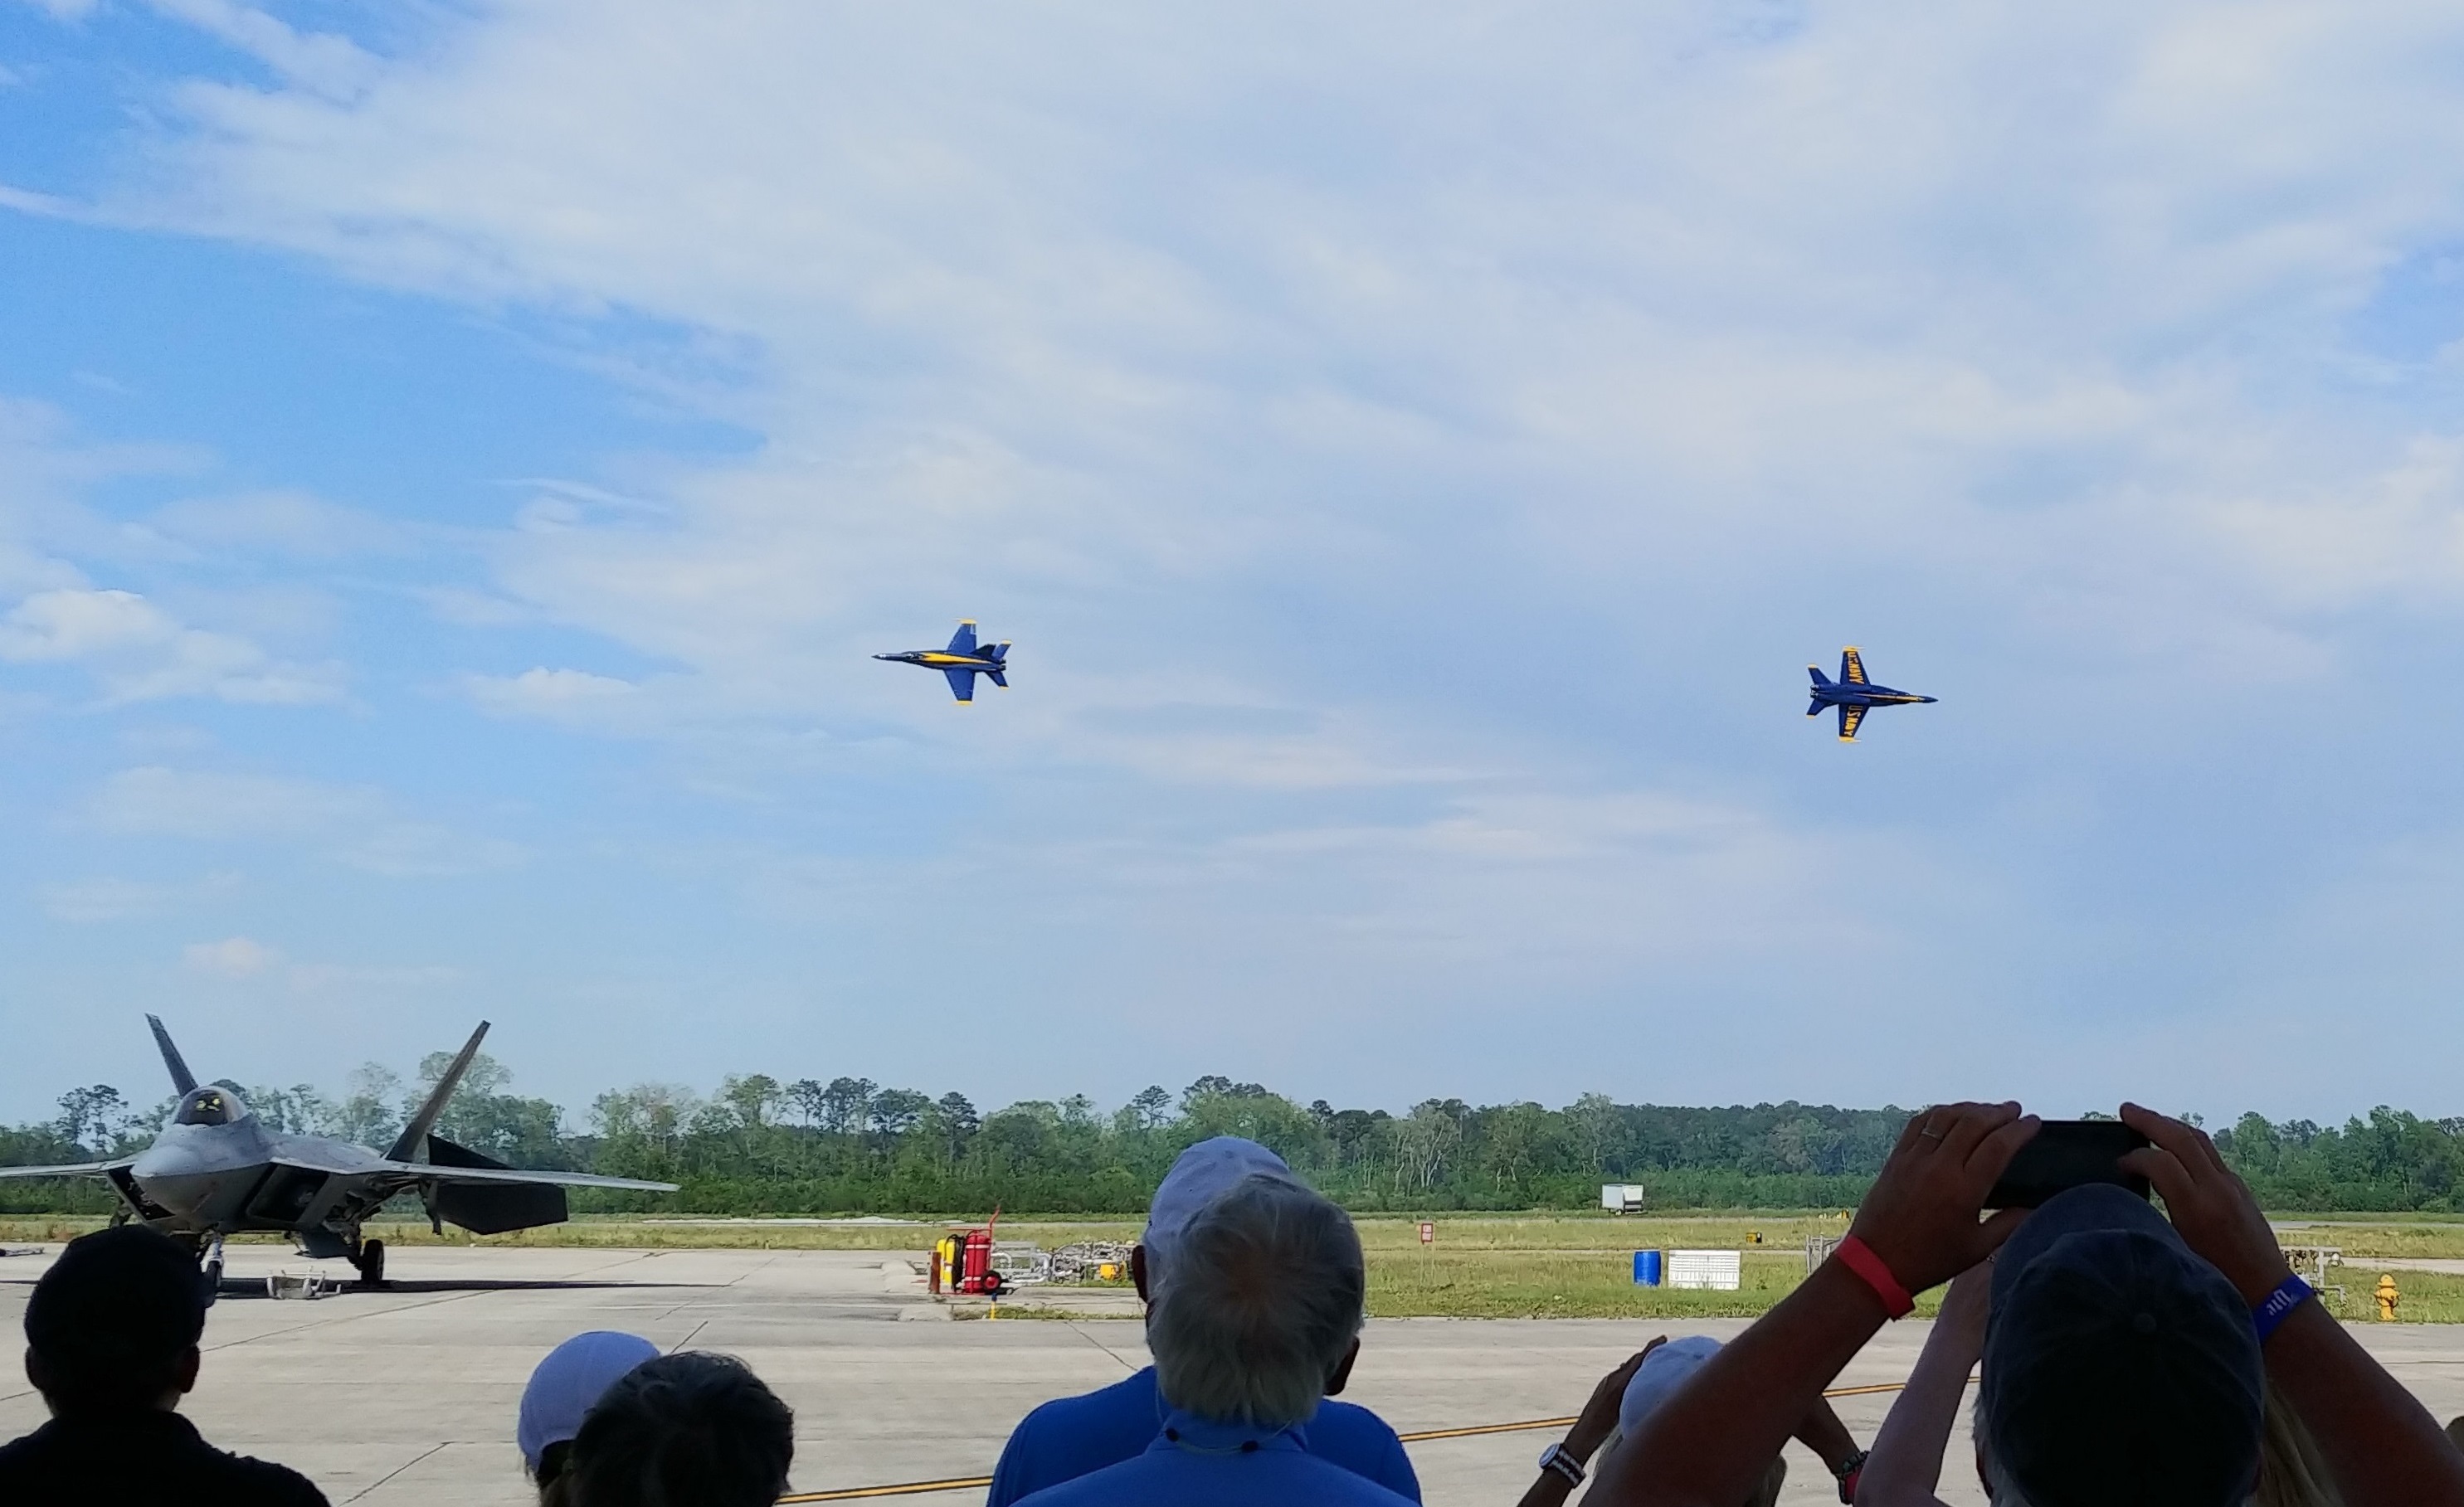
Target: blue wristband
x=2278 y=1305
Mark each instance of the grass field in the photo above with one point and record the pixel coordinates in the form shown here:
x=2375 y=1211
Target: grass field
x=1541 y=1265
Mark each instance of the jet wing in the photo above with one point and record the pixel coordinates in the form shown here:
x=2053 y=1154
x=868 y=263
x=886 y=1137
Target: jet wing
x=1852 y=668
x=1849 y=717
x=68 y=1170
x=962 y=684
x=963 y=641
x=513 y=1177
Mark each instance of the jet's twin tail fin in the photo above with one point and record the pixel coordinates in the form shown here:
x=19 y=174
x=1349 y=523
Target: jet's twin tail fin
x=406 y=1146
x=1815 y=671
x=1814 y=707
x=999 y=679
x=181 y=1077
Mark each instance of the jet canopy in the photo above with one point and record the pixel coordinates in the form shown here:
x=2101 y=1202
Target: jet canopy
x=214 y=1105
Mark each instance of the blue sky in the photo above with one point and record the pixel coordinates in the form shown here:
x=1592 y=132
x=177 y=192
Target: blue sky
x=453 y=472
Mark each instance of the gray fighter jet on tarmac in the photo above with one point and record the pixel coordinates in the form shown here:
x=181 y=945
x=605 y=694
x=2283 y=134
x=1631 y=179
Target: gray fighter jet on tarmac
x=216 y=1171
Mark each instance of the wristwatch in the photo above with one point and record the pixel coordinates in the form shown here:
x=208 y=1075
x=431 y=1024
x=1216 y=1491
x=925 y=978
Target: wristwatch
x=1849 y=1469
x=1560 y=1459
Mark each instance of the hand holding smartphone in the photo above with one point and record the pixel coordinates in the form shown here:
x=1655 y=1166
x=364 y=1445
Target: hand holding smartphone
x=2065 y=1154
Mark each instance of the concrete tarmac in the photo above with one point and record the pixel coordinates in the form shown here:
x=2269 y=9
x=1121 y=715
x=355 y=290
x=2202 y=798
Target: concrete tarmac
x=407 y=1395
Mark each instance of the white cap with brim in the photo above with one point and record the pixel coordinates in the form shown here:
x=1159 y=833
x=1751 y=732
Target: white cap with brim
x=569 y=1382
x=1205 y=1173
x=1661 y=1372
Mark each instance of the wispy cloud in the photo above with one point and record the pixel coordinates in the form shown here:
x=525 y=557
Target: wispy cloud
x=233 y=957
x=138 y=652
x=241 y=959
x=357 y=826
x=1410 y=463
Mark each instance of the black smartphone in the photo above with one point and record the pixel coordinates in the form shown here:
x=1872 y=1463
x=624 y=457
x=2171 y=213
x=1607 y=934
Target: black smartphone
x=2065 y=1154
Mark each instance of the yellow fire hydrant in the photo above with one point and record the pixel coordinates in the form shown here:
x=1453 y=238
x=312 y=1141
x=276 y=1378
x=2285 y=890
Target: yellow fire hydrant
x=2386 y=1295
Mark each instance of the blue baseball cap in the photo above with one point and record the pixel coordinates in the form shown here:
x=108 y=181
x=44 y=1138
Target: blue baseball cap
x=566 y=1386
x=1203 y=1173
x=2120 y=1369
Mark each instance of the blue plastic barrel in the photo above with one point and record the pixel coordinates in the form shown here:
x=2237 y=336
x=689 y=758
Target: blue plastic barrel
x=1646 y=1268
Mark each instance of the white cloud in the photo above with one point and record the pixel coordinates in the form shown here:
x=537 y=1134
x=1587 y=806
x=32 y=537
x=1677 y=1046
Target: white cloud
x=138 y=652
x=330 y=65
x=551 y=693
x=412 y=849
x=280 y=522
x=157 y=801
x=355 y=825
x=1828 y=300
x=1356 y=435
x=240 y=958
x=233 y=957
x=101 y=899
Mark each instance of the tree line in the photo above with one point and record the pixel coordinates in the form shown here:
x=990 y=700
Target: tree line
x=847 y=1144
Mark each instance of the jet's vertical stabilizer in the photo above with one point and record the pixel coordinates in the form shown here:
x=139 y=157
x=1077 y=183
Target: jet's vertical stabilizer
x=181 y=1079
x=406 y=1146
x=1815 y=671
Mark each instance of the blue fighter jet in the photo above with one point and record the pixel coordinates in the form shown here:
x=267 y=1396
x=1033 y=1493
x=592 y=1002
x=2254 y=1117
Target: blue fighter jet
x=962 y=661
x=1852 y=694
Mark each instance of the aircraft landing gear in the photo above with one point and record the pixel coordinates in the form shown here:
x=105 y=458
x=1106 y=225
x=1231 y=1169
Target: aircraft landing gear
x=371 y=1263
x=213 y=1274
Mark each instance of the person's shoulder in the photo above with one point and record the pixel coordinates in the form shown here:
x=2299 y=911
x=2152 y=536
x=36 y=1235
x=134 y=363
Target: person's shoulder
x=1330 y=1481
x=1117 y=1482
x=22 y=1455
x=1069 y=1438
x=250 y=1479
x=1351 y=1421
x=1359 y=1440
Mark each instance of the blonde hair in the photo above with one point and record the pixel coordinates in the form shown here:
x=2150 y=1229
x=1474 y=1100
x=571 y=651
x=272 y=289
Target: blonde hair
x=2291 y=1471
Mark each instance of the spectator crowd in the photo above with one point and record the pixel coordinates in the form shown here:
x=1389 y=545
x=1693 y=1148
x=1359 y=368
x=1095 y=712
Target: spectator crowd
x=2125 y=1357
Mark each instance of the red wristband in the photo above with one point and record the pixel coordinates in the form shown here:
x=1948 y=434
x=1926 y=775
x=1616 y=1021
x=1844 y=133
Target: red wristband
x=1859 y=1257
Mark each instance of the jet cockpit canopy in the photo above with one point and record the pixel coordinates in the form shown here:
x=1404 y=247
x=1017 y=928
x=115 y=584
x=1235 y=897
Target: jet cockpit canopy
x=211 y=1105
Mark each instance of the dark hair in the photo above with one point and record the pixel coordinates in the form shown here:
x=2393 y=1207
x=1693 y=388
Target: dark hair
x=554 y=1481
x=690 y=1430
x=114 y=1318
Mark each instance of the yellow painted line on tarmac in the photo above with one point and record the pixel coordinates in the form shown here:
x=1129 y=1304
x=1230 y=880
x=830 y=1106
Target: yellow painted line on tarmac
x=969 y=1483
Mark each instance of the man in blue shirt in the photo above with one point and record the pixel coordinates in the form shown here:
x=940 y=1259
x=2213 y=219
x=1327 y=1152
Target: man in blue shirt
x=1259 y=1316
x=1073 y=1436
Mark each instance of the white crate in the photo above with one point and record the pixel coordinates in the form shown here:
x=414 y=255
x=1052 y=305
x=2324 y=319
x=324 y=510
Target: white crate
x=1720 y=1270
x=1621 y=1198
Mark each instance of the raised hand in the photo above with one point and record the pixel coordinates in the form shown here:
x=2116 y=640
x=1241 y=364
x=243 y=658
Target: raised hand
x=2210 y=1205
x=1600 y=1413
x=1921 y=1215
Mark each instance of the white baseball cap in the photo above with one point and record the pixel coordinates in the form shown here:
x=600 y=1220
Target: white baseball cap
x=569 y=1382
x=1205 y=1173
x=1661 y=1372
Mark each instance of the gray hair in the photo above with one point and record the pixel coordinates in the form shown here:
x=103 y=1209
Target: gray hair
x=1267 y=1297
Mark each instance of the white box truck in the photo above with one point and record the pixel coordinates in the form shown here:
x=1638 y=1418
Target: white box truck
x=1621 y=1198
